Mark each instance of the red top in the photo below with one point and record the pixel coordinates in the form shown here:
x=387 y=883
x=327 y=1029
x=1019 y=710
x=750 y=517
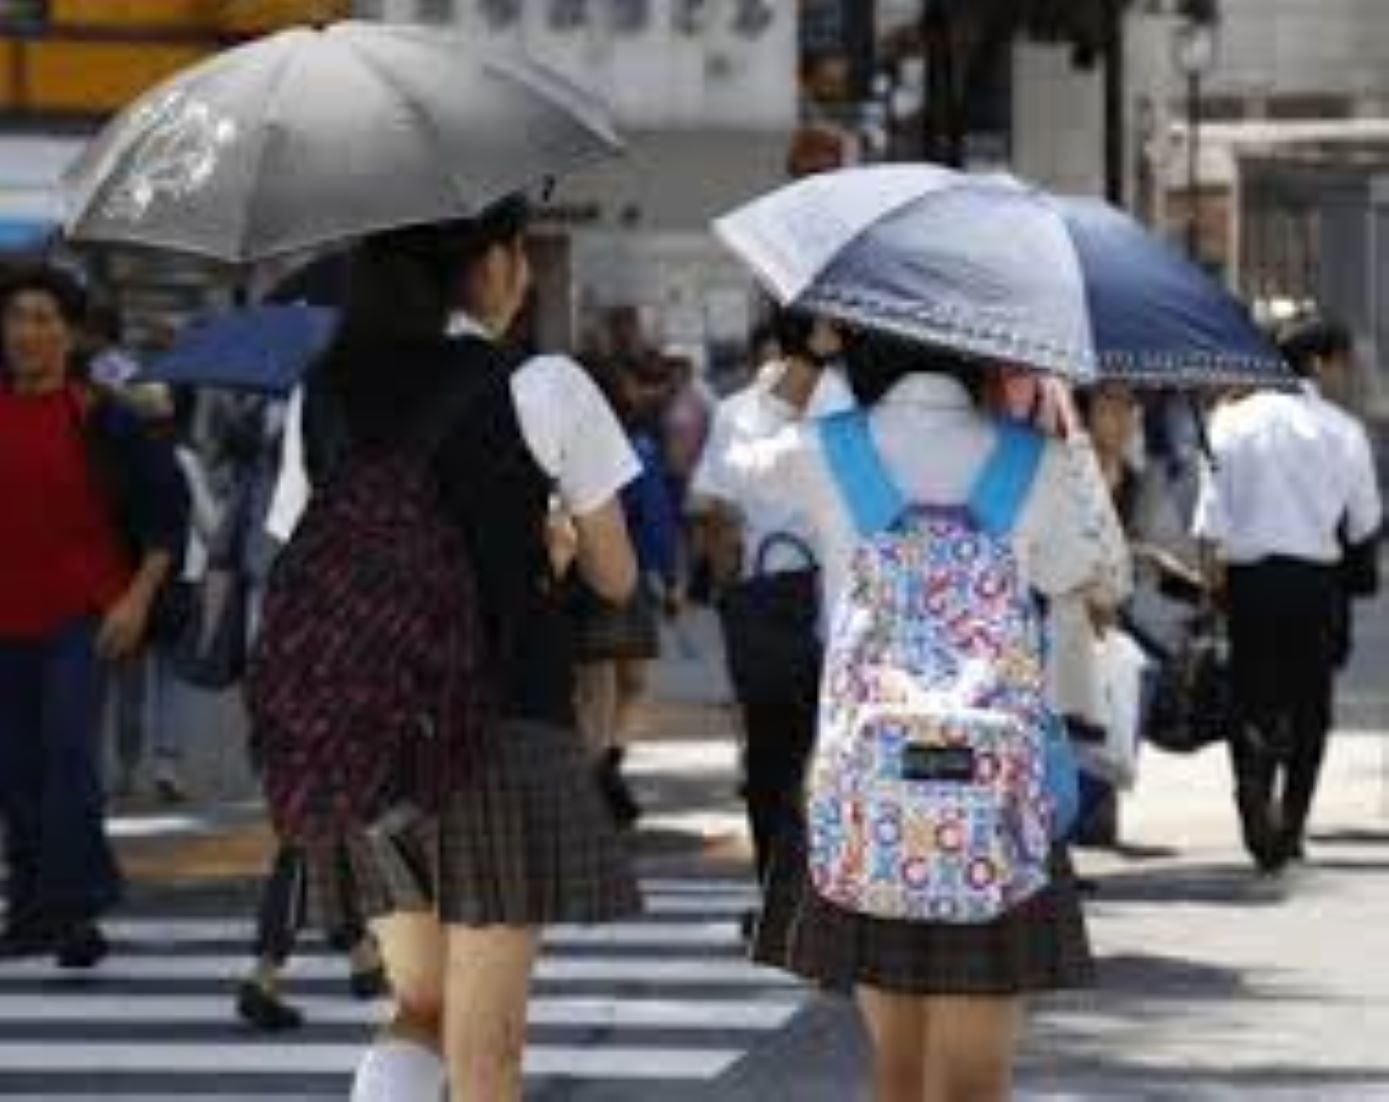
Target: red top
x=60 y=557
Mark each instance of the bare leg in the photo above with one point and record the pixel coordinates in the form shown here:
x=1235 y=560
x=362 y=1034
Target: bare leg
x=970 y=1044
x=489 y=974
x=596 y=701
x=629 y=676
x=414 y=949
x=897 y=1027
x=404 y=1065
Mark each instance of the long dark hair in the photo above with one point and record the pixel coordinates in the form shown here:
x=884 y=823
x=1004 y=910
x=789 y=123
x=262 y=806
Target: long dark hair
x=876 y=362
x=402 y=286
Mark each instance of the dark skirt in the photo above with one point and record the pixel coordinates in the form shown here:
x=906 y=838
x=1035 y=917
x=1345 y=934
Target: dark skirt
x=1039 y=946
x=527 y=841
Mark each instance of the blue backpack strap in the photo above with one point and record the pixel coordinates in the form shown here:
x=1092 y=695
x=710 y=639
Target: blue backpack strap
x=1006 y=480
x=867 y=491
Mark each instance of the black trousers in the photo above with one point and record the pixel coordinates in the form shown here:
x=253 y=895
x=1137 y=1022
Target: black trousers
x=1283 y=617
x=779 y=736
x=283 y=907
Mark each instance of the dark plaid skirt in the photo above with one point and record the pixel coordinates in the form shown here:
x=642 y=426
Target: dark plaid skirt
x=527 y=841
x=1039 y=946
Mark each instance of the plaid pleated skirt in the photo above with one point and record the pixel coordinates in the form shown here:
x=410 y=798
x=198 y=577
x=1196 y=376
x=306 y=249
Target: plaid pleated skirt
x=526 y=841
x=1039 y=946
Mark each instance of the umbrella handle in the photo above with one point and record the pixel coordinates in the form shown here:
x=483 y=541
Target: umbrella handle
x=1203 y=435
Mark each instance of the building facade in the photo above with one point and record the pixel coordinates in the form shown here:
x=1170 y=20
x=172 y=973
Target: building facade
x=705 y=95
x=1284 y=192
x=66 y=66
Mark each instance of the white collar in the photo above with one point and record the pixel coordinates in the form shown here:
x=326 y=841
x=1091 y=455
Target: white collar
x=923 y=389
x=463 y=324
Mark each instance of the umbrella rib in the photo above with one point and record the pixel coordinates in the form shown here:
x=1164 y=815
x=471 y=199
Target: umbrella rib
x=270 y=129
x=186 y=84
x=727 y=232
x=384 y=75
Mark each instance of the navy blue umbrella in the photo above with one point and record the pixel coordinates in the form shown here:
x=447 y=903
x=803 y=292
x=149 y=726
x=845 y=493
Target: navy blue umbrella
x=995 y=269
x=259 y=348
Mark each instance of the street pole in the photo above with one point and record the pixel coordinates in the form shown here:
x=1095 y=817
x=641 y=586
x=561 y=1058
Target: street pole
x=1115 y=107
x=861 y=42
x=1193 y=164
x=937 y=127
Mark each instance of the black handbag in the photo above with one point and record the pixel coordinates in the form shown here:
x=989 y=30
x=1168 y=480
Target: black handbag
x=211 y=645
x=770 y=628
x=1359 y=568
x=1193 y=703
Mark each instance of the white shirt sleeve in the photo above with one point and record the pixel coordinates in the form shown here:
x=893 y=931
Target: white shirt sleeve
x=1070 y=537
x=573 y=433
x=711 y=477
x=1365 y=509
x=291 y=495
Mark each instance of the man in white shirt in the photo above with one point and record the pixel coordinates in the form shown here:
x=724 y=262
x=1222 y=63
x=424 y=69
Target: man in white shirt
x=754 y=532
x=1293 y=481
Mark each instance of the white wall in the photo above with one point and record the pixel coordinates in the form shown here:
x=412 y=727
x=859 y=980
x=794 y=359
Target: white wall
x=658 y=76
x=1304 y=46
x=31 y=172
x=1058 y=120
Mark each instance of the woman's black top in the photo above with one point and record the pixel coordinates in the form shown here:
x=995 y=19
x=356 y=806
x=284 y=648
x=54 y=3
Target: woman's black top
x=489 y=482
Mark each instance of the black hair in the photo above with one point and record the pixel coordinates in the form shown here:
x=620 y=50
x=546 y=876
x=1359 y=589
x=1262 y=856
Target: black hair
x=401 y=287
x=104 y=320
x=876 y=362
x=1306 y=341
x=64 y=289
x=403 y=284
x=792 y=330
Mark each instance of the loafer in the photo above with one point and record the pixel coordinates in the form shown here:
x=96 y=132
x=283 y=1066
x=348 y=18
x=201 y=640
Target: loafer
x=265 y=1012
x=80 y=946
x=369 y=983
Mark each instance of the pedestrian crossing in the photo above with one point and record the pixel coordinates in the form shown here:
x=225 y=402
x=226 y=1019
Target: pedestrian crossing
x=667 y=1000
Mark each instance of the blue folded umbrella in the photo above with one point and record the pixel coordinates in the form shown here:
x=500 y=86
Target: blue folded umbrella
x=995 y=269
x=259 y=348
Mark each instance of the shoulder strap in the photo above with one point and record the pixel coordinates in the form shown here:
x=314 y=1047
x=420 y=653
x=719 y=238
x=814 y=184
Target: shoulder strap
x=864 y=485
x=1006 y=480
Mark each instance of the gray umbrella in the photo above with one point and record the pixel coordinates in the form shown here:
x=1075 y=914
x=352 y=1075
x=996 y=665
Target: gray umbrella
x=316 y=136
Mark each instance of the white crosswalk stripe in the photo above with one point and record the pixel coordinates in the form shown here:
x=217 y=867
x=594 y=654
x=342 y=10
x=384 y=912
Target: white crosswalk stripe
x=668 y=998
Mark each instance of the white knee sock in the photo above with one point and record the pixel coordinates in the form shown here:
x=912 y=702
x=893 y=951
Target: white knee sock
x=399 y=1071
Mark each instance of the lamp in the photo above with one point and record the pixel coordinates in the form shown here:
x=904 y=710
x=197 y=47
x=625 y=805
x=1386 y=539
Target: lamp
x=1195 y=48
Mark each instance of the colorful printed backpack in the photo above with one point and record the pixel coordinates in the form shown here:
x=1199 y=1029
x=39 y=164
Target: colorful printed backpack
x=931 y=793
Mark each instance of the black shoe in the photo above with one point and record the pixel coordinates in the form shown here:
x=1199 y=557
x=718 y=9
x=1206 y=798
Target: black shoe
x=26 y=939
x=616 y=792
x=369 y=984
x=81 y=946
x=747 y=927
x=264 y=1012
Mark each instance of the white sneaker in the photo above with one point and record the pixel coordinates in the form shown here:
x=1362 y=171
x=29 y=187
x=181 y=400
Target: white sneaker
x=399 y=1071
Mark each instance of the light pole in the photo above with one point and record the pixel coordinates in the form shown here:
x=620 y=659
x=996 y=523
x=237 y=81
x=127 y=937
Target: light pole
x=1194 y=49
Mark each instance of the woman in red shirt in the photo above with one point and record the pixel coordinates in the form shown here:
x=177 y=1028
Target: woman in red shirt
x=92 y=519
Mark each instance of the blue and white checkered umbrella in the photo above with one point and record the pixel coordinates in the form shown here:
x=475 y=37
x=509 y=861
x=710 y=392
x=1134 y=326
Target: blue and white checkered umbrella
x=993 y=268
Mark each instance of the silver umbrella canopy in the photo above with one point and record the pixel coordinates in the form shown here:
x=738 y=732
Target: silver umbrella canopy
x=311 y=137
